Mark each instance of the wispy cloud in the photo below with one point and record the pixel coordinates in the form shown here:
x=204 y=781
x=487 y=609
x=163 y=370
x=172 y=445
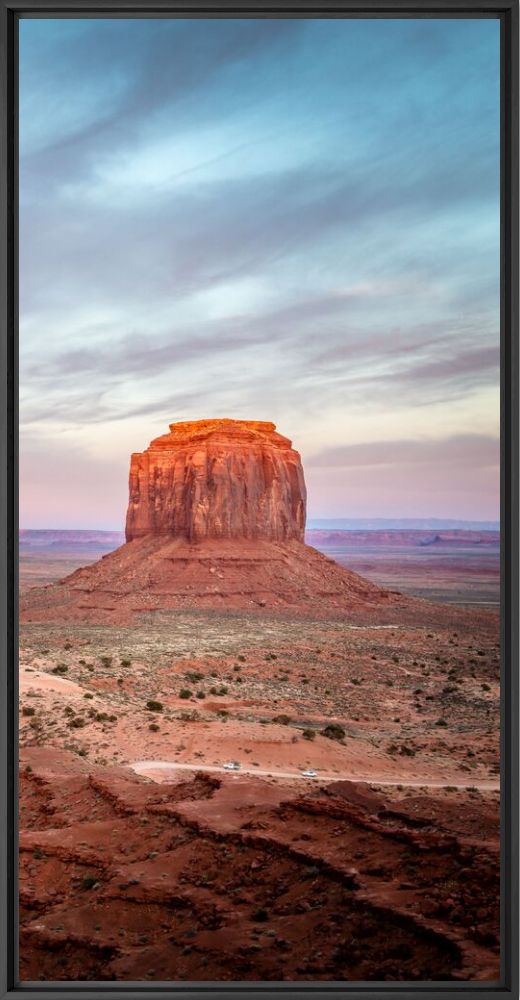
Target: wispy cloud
x=475 y=450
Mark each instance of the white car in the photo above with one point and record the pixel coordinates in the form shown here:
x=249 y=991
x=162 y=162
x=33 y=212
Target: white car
x=309 y=773
x=233 y=765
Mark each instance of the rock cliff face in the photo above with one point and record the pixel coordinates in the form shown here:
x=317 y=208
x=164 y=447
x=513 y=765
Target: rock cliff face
x=218 y=479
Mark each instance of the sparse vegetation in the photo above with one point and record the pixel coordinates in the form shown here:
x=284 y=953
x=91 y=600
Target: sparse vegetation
x=88 y=882
x=334 y=731
x=77 y=723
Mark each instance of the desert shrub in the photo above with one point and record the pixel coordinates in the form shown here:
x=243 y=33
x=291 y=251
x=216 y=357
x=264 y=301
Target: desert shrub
x=334 y=731
x=101 y=717
x=241 y=658
x=106 y=661
x=485 y=687
x=237 y=667
x=200 y=694
x=61 y=668
x=309 y=734
x=28 y=710
x=154 y=728
x=213 y=690
x=441 y=722
x=126 y=663
x=282 y=720
x=223 y=689
x=194 y=676
x=271 y=656
x=88 y=881
x=82 y=663
x=260 y=916
x=154 y=706
x=88 y=695
x=185 y=693
x=68 y=645
x=77 y=723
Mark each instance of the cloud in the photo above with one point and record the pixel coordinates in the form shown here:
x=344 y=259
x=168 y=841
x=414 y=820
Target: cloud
x=460 y=450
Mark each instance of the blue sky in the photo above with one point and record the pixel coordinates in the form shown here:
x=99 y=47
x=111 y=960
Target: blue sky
x=288 y=220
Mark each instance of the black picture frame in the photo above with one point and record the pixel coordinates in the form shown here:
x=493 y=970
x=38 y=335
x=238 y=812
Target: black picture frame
x=10 y=13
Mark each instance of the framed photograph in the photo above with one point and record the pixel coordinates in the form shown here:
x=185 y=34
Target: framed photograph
x=259 y=498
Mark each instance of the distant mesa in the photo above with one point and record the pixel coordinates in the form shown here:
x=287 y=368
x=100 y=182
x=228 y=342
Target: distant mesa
x=216 y=519
x=218 y=479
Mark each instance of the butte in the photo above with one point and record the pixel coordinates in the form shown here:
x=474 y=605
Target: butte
x=215 y=520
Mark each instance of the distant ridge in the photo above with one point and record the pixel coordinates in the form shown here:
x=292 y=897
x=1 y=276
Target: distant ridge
x=65 y=538
x=46 y=536
x=402 y=524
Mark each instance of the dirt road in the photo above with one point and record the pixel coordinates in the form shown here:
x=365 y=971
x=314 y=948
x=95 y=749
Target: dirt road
x=148 y=767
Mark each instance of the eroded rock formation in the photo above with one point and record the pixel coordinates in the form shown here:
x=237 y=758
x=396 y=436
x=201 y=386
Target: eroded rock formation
x=210 y=479
x=216 y=519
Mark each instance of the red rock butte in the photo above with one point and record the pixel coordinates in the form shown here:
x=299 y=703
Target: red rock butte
x=217 y=479
x=216 y=520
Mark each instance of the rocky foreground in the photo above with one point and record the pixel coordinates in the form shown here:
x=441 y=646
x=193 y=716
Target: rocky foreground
x=233 y=878
x=384 y=866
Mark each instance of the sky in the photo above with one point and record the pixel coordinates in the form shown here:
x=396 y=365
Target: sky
x=271 y=219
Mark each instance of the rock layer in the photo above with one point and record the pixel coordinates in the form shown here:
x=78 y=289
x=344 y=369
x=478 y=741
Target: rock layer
x=218 y=479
